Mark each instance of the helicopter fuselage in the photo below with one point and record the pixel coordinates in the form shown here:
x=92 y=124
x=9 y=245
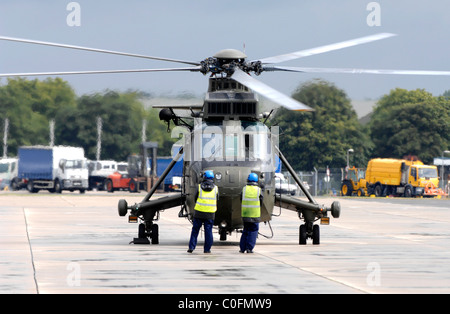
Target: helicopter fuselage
x=229 y=138
x=231 y=141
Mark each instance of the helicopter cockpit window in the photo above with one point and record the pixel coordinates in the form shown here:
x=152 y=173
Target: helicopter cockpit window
x=232 y=146
x=211 y=148
x=257 y=142
x=233 y=141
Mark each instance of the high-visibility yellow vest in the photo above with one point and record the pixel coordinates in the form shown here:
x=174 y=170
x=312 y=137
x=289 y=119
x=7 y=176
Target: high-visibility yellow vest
x=251 y=207
x=207 y=201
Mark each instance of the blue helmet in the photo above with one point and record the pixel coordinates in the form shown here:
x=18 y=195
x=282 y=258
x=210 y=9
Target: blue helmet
x=252 y=177
x=208 y=175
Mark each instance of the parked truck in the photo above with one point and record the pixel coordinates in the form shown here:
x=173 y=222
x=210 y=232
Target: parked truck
x=54 y=168
x=386 y=176
x=8 y=171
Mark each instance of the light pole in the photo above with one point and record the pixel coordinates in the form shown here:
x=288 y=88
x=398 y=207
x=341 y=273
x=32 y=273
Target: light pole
x=348 y=163
x=442 y=168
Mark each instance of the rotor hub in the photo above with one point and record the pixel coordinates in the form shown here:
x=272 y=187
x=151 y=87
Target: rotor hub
x=230 y=54
x=226 y=61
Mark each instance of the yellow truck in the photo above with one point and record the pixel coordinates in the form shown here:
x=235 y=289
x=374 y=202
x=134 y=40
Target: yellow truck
x=386 y=176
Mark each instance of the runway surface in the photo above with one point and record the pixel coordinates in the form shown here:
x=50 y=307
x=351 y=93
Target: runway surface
x=71 y=243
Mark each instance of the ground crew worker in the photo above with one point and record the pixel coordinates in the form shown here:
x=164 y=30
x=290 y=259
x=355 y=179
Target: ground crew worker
x=251 y=213
x=204 y=212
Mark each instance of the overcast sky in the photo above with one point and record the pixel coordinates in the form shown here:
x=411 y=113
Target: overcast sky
x=197 y=29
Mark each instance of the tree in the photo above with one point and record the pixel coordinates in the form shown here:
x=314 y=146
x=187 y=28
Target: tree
x=322 y=138
x=30 y=105
x=122 y=116
x=410 y=123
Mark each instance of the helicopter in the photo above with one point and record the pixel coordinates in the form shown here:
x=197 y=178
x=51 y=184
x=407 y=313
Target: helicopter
x=230 y=137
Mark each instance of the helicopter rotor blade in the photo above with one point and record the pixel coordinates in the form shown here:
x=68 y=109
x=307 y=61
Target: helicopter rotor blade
x=192 y=69
x=356 y=71
x=45 y=43
x=268 y=92
x=326 y=48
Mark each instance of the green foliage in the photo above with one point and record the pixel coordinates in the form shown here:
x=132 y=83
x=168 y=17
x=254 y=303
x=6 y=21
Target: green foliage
x=322 y=138
x=403 y=123
x=31 y=104
x=411 y=123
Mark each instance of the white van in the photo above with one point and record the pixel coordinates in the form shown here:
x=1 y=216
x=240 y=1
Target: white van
x=282 y=186
x=8 y=171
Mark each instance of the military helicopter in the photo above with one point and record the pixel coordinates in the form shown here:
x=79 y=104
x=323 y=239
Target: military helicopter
x=229 y=136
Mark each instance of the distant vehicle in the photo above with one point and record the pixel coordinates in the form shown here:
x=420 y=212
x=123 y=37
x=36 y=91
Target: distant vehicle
x=387 y=176
x=8 y=171
x=354 y=183
x=138 y=172
x=122 y=167
x=401 y=177
x=282 y=185
x=54 y=168
x=99 y=170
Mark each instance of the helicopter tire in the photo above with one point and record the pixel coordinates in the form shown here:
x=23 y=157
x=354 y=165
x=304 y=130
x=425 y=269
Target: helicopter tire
x=155 y=234
x=316 y=235
x=223 y=234
x=336 y=209
x=141 y=231
x=302 y=235
x=123 y=207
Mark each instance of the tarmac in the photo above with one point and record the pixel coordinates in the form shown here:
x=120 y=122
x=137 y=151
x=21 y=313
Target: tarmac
x=77 y=244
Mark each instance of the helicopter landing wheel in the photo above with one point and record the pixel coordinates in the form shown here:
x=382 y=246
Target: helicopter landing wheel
x=316 y=235
x=142 y=236
x=304 y=234
x=141 y=231
x=154 y=235
x=223 y=234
